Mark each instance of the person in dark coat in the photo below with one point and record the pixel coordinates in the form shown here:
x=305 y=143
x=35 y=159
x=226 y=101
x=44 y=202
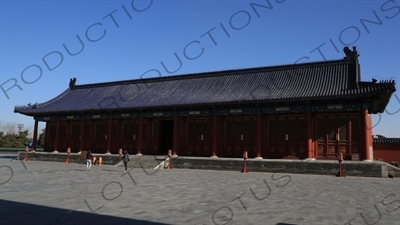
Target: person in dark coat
x=88 y=160
x=125 y=159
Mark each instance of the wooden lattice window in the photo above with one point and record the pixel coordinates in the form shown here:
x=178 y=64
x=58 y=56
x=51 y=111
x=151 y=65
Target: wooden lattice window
x=321 y=128
x=331 y=128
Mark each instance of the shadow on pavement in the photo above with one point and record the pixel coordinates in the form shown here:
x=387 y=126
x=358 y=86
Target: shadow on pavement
x=24 y=213
x=8 y=156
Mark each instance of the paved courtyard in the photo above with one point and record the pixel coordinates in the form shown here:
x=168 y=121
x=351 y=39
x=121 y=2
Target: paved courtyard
x=57 y=193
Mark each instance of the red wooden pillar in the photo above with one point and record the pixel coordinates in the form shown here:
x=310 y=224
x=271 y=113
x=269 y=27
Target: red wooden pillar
x=140 y=136
x=92 y=134
x=367 y=145
x=350 y=138
x=57 y=136
x=183 y=138
x=119 y=134
x=264 y=134
x=258 y=135
x=151 y=129
x=309 y=136
x=35 y=132
x=109 y=136
x=175 y=136
x=214 y=137
x=222 y=135
x=46 y=137
x=68 y=135
x=82 y=136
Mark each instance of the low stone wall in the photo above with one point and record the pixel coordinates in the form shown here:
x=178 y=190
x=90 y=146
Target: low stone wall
x=393 y=171
x=316 y=167
x=144 y=161
x=108 y=159
x=14 y=150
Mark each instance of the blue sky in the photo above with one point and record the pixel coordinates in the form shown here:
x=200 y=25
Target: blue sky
x=125 y=39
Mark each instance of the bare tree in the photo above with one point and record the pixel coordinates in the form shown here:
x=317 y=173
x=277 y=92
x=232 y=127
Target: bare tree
x=8 y=127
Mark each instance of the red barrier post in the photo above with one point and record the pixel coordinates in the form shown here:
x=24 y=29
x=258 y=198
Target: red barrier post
x=68 y=152
x=94 y=160
x=169 y=159
x=120 y=154
x=245 y=170
x=340 y=172
x=26 y=153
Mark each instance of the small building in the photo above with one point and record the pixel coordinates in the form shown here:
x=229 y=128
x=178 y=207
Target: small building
x=308 y=110
x=387 y=150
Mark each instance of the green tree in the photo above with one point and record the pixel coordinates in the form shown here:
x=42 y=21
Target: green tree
x=1 y=139
x=22 y=138
x=13 y=140
x=40 y=142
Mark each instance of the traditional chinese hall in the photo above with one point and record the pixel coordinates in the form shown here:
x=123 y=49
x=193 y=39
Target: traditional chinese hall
x=297 y=111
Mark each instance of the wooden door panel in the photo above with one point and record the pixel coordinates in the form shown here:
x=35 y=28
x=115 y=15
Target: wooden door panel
x=101 y=131
x=130 y=135
x=88 y=136
x=240 y=136
x=199 y=137
x=281 y=138
x=115 y=137
x=75 y=136
x=286 y=137
x=63 y=136
x=335 y=134
x=156 y=137
x=144 y=138
x=51 y=138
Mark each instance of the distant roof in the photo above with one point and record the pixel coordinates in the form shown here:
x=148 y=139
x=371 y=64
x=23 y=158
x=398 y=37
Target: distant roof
x=386 y=140
x=336 y=79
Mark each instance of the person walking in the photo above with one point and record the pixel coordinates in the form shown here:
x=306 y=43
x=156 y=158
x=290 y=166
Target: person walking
x=125 y=159
x=88 y=160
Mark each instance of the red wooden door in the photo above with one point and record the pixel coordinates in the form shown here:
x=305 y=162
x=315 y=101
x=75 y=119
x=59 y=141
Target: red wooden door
x=240 y=136
x=63 y=136
x=100 y=141
x=286 y=137
x=116 y=137
x=199 y=137
x=156 y=137
x=51 y=130
x=145 y=139
x=130 y=135
x=75 y=136
x=88 y=136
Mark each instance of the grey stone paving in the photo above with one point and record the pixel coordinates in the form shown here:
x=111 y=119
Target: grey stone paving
x=57 y=193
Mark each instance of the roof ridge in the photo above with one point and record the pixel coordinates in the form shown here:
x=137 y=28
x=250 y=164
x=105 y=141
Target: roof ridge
x=43 y=103
x=209 y=74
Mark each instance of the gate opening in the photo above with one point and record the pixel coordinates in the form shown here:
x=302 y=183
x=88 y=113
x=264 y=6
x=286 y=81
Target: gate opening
x=166 y=136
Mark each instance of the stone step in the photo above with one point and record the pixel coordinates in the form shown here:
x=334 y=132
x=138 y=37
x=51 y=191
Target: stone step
x=145 y=161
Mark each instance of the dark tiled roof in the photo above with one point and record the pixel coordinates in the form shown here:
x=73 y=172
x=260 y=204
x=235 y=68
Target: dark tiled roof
x=308 y=81
x=387 y=141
